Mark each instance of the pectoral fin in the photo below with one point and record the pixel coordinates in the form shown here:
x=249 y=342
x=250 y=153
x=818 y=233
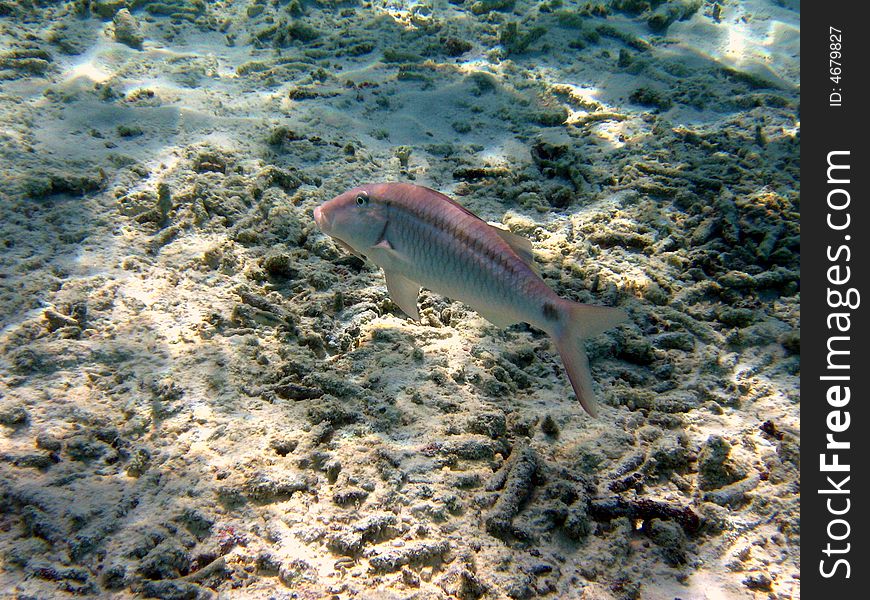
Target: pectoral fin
x=384 y=244
x=404 y=293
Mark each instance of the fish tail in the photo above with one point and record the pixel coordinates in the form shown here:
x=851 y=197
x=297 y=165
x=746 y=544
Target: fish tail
x=578 y=322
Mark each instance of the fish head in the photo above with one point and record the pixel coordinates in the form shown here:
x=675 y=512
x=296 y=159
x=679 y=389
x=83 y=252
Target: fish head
x=356 y=219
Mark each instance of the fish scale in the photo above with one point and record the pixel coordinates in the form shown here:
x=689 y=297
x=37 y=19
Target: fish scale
x=431 y=239
x=422 y=238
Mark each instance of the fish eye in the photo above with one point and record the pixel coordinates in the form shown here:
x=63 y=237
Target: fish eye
x=362 y=200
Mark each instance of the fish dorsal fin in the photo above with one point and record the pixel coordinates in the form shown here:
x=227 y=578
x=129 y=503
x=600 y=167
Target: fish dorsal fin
x=404 y=293
x=519 y=244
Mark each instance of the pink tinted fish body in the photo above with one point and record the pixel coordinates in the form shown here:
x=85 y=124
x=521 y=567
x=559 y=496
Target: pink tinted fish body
x=422 y=238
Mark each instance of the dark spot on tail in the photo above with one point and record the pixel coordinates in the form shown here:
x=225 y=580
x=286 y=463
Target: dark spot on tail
x=550 y=312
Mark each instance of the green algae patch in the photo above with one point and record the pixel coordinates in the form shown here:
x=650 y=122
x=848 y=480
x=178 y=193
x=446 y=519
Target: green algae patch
x=666 y=14
x=187 y=10
x=646 y=96
x=56 y=182
x=484 y=6
x=610 y=31
x=34 y=61
x=106 y=9
x=392 y=55
x=516 y=41
x=285 y=33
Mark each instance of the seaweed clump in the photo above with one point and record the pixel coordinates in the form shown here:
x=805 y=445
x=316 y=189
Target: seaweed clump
x=185 y=10
x=485 y=6
x=646 y=96
x=284 y=33
x=515 y=41
x=658 y=14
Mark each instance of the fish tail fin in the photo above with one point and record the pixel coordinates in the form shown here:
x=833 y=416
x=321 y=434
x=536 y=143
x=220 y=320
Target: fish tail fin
x=581 y=321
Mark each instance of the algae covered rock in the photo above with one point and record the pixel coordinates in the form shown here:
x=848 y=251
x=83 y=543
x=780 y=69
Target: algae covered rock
x=25 y=61
x=13 y=415
x=647 y=96
x=676 y=10
x=187 y=10
x=671 y=539
x=515 y=40
x=484 y=6
x=106 y=9
x=715 y=468
x=127 y=29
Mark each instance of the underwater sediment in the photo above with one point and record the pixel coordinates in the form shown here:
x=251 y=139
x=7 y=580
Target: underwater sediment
x=201 y=393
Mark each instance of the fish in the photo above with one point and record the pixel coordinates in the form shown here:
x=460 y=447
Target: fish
x=422 y=238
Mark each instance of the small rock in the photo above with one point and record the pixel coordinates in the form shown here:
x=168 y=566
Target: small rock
x=196 y=522
x=263 y=487
x=106 y=9
x=646 y=96
x=114 y=576
x=715 y=470
x=139 y=462
x=671 y=538
x=296 y=572
x=791 y=341
x=738 y=280
x=637 y=349
x=577 y=523
x=167 y=560
x=129 y=131
x=485 y=6
x=675 y=340
x=760 y=582
x=349 y=497
x=733 y=495
x=491 y=424
x=392 y=560
x=549 y=426
x=294 y=391
x=267 y=564
x=283 y=446
x=174 y=590
x=31 y=460
x=454 y=46
x=666 y=13
x=410 y=578
x=463 y=584
x=83 y=448
x=47 y=441
x=705 y=231
x=669 y=454
x=39 y=524
x=127 y=29
x=280 y=265
x=735 y=317
x=13 y=415
x=57 y=320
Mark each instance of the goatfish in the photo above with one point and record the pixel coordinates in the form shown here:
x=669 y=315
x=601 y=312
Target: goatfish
x=422 y=238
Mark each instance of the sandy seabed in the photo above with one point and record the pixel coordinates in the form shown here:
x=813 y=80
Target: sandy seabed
x=202 y=396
